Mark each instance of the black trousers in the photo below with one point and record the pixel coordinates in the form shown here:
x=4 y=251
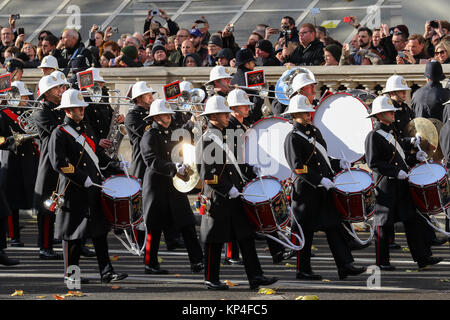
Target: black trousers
x=46 y=229
x=72 y=253
x=191 y=242
x=338 y=246
x=3 y=230
x=416 y=237
x=213 y=252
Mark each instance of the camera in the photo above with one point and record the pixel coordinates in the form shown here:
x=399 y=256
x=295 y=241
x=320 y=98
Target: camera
x=114 y=30
x=21 y=31
x=401 y=54
x=155 y=12
x=434 y=24
x=16 y=16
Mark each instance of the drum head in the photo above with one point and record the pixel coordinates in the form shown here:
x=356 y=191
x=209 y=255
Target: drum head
x=121 y=186
x=266 y=188
x=264 y=146
x=353 y=181
x=424 y=174
x=342 y=120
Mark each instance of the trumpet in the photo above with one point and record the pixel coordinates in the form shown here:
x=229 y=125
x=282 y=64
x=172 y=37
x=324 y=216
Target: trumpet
x=263 y=91
x=95 y=94
x=13 y=98
x=190 y=100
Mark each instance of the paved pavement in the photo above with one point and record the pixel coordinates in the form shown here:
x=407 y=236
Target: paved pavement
x=42 y=280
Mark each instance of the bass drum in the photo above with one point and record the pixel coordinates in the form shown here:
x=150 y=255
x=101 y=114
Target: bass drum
x=343 y=121
x=366 y=97
x=264 y=146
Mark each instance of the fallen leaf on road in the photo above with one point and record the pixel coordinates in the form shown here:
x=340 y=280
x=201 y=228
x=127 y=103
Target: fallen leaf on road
x=115 y=258
x=74 y=294
x=177 y=275
x=17 y=293
x=307 y=298
x=289 y=265
x=160 y=260
x=41 y=297
x=266 y=291
x=58 y=297
x=314 y=248
x=409 y=270
x=230 y=284
x=405 y=249
x=444 y=280
x=326 y=280
x=115 y=287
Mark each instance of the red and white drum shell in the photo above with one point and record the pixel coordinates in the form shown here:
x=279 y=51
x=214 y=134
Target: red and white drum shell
x=122 y=201
x=265 y=204
x=429 y=187
x=354 y=195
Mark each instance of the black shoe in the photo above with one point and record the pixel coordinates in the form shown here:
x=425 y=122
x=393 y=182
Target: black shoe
x=216 y=285
x=278 y=257
x=308 y=276
x=233 y=261
x=69 y=280
x=86 y=252
x=386 y=267
x=197 y=267
x=111 y=276
x=350 y=270
x=438 y=242
x=261 y=281
x=394 y=246
x=16 y=243
x=155 y=270
x=6 y=261
x=355 y=245
x=429 y=261
x=49 y=254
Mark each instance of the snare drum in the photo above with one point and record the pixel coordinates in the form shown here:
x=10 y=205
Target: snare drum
x=354 y=195
x=428 y=184
x=122 y=200
x=265 y=204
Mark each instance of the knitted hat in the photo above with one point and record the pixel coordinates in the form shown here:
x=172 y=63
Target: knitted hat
x=130 y=51
x=265 y=45
x=158 y=47
x=225 y=53
x=243 y=56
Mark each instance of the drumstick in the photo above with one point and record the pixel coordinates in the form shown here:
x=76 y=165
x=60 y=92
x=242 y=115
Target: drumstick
x=103 y=187
x=124 y=169
x=348 y=166
x=426 y=161
x=251 y=195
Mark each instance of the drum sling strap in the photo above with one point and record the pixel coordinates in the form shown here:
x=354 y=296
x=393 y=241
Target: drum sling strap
x=228 y=152
x=390 y=138
x=318 y=146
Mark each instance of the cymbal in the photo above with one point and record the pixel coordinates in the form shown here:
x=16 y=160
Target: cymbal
x=427 y=131
x=191 y=179
x=438 y=155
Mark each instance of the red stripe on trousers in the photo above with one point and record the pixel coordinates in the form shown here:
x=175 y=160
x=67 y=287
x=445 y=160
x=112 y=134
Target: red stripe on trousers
x=147 y=249
x=10 y=227
x=229 y=250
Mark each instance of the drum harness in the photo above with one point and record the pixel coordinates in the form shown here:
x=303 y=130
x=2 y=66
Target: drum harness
x=231 y=156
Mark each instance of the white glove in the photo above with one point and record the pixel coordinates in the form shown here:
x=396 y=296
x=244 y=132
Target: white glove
x=327 y=183
x=181 y=168
x=124 y=165
x=402 y=175
x=421 y=155
x=344 y=164
x=233 y=193
x=257 y=170
x=416 y=141
x=88 y=182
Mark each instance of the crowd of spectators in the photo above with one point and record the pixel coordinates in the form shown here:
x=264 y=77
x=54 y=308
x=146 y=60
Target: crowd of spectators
x=197 y=45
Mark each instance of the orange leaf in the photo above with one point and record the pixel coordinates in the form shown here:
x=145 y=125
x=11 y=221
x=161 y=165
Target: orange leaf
x=58 y=297
x=115 y=287
x=115 y=258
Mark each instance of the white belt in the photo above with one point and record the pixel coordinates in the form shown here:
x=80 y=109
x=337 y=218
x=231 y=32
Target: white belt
x=81 y=140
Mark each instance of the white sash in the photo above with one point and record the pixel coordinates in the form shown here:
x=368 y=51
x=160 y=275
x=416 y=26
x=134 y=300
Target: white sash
x=390 y=138
x=81 y=140
x=318 y=146
x=227 y=150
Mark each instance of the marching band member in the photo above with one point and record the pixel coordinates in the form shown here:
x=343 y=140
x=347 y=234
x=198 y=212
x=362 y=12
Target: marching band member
x=75 y=156
x=163 y=205
x=240 y=105
x=444 y=142
x=19 y=160
x=142 y=96
x=386 y=157
x=48 y=65
x=225 y=219
x=47 y=119
x=312 y=198
x=220 y=78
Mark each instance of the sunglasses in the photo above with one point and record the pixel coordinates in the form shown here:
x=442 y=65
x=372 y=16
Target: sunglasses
x=439 y=52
